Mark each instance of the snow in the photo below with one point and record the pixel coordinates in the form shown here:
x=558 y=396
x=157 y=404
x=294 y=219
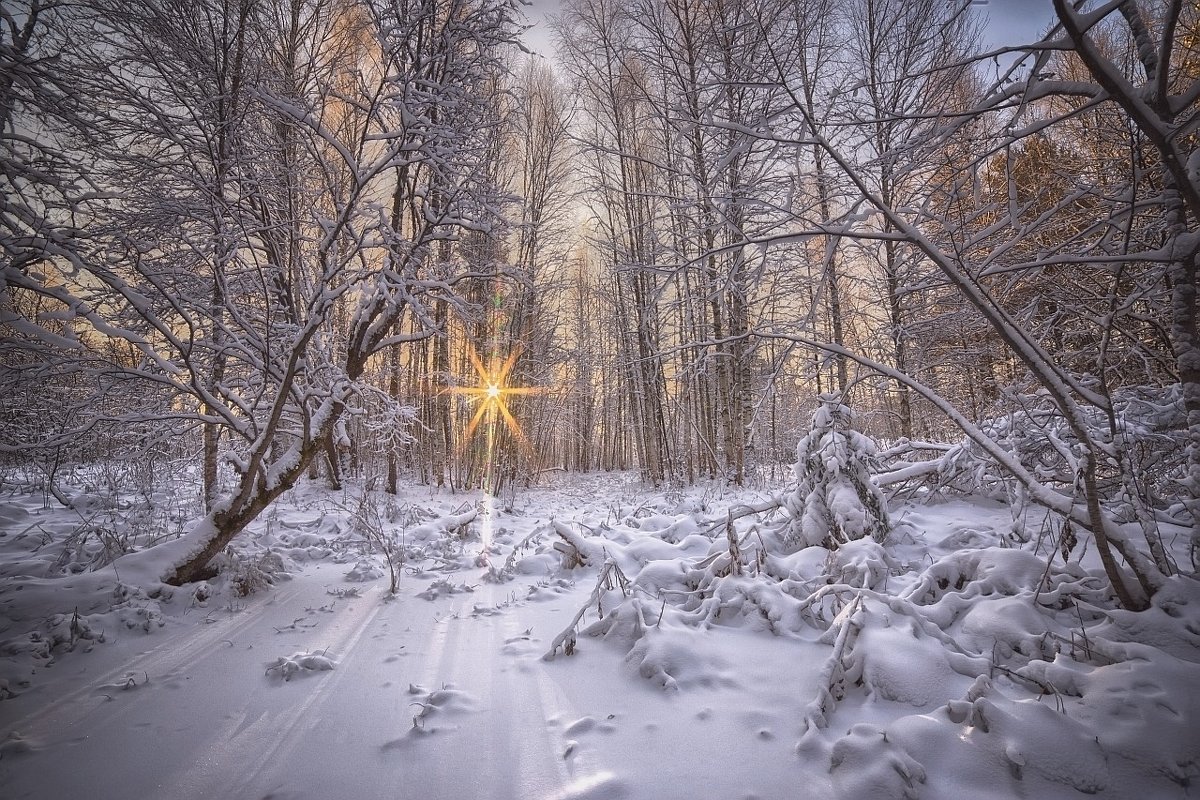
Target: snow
x=946 y=661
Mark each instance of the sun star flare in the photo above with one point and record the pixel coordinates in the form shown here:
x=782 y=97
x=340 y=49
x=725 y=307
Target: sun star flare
x=492 y=391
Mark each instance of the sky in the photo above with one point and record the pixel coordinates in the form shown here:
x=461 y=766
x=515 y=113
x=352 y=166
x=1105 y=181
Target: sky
x=1006 y=22
x=1014 y=21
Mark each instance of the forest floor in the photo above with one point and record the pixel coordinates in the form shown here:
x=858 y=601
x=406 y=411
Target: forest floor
x=950 y=662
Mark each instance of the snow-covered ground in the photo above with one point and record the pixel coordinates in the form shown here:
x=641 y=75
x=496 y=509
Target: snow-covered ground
x=589 y=640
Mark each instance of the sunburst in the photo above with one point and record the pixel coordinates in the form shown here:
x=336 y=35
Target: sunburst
x=493 y=391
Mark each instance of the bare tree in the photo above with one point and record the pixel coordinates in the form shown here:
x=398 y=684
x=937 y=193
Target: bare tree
x=611 y=84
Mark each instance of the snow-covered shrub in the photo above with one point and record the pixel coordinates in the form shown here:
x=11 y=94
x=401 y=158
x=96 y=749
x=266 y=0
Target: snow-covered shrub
x=1150 y=431
x=66 y=630
x=134 y=608
x=835 y=501
x=371 y=522
x=446 y=699
x=863 y=563
x=364 y=570
x=442 y=587
x=247 y=574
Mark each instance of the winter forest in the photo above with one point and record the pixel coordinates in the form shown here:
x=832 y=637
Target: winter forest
x=732 y=399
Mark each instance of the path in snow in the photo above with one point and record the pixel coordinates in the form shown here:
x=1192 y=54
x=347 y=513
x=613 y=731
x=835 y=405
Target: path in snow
x=412 y=697
x=428 y=699
x=210 y=723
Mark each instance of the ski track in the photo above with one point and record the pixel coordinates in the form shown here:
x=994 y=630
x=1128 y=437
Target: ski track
x=347 y=732
x=173 y=653
x=251 y=746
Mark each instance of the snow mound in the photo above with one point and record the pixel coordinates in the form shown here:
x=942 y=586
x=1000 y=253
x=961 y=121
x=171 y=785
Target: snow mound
x=898 y=662
x=1027 y=739
x=676 y=658
x=364 y=570
x=600 y=786
x=1142 y=710
x=864 y=763
x=285 y=668
x=16 y=745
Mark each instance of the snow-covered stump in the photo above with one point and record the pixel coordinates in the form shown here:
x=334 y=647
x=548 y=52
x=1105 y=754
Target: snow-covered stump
x=835 y=499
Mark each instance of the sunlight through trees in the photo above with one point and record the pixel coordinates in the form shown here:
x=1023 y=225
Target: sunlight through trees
x=375 y=240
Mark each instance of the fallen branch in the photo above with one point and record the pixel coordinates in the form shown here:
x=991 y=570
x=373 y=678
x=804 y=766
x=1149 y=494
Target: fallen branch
x=843 y=631
x=576 y=551
x=610 y=578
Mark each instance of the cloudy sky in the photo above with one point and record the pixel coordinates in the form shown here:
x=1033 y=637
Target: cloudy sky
x=1005 y=21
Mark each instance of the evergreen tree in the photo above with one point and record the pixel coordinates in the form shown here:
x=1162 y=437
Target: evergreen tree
x=835 y=501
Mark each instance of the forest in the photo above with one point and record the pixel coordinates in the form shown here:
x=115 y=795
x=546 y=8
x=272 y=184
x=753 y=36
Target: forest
x=798 y=270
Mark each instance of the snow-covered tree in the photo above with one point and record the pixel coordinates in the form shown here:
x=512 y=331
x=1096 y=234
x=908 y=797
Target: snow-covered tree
x=972 y=239
x=835 y=501
x=239 y=252
x=905 y=52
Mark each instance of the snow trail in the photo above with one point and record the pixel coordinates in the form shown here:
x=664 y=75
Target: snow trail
x=213 y=723
x=245 y=749
x=316 y=690
x=168 y=656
